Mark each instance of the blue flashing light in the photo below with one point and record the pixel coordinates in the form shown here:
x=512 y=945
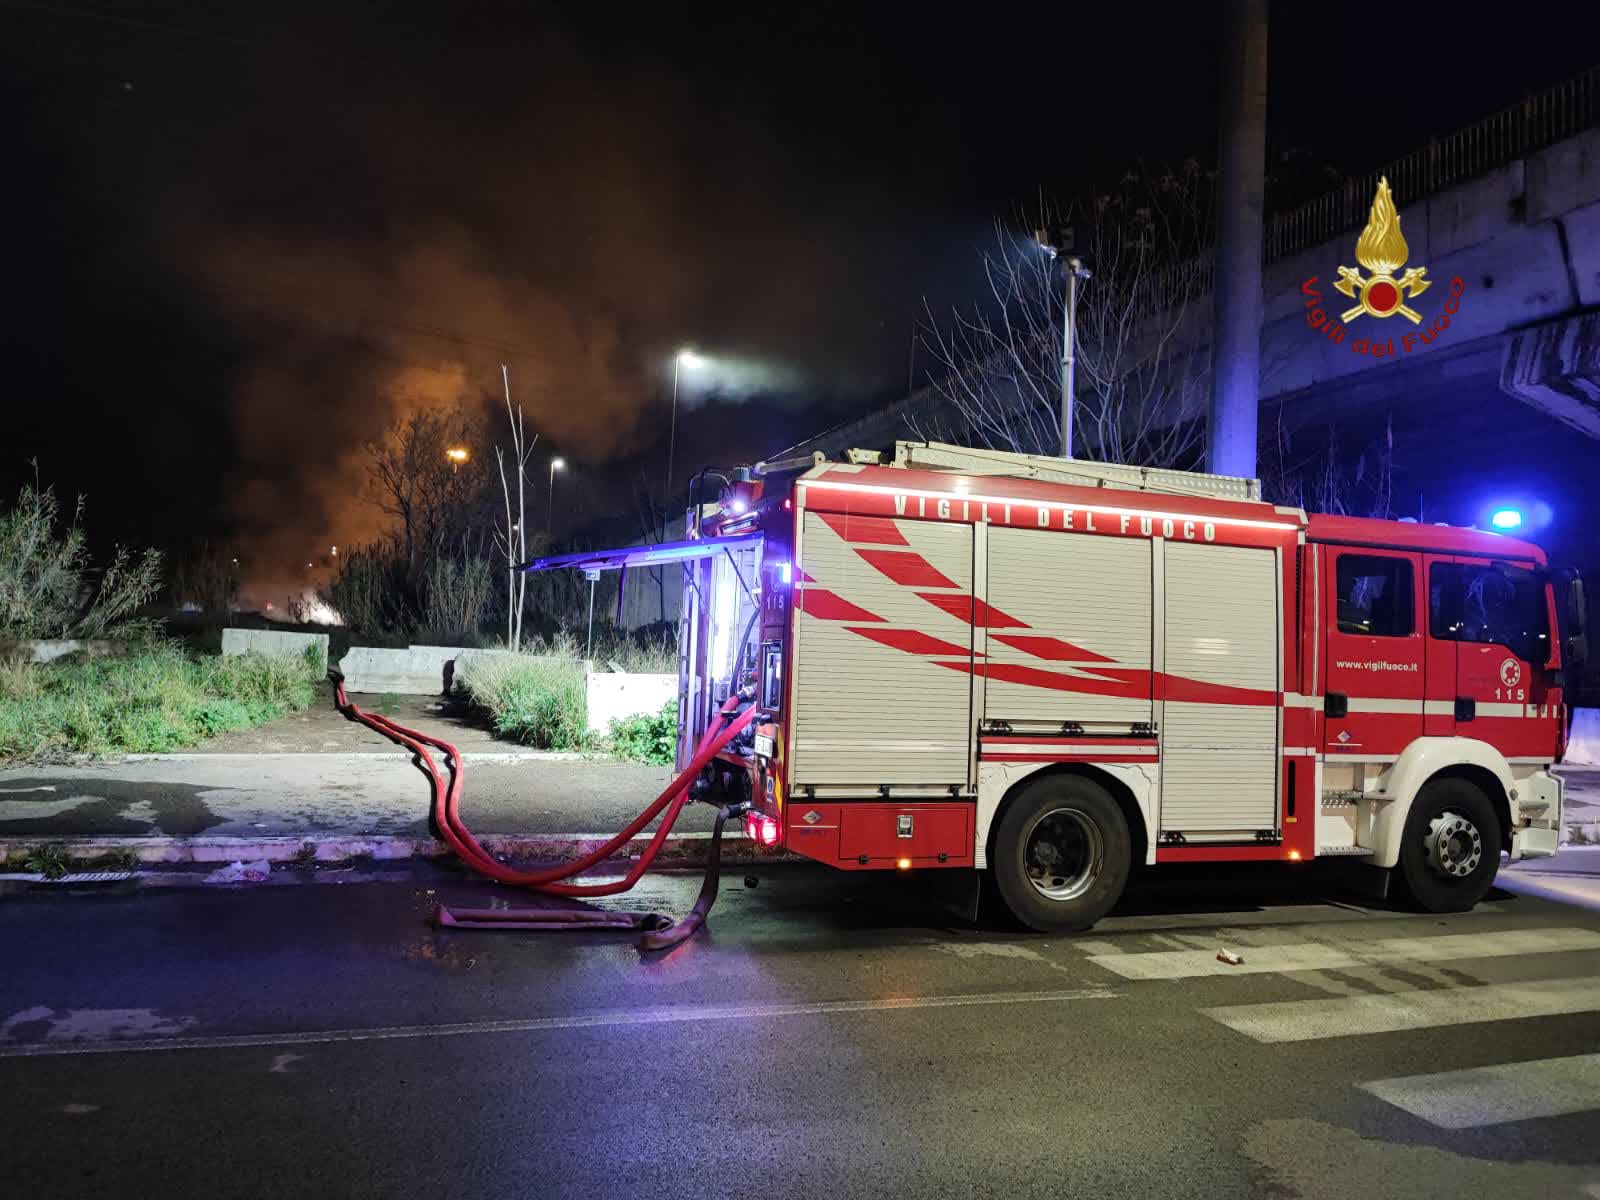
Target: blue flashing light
x=1506 y=518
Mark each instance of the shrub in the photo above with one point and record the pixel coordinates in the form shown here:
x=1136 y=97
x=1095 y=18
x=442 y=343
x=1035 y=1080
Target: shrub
x=649 y=738
x=456 y=597
x=535 y=701
x=47 y=588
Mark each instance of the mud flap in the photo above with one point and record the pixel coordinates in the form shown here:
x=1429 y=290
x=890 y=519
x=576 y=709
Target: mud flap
x=957 y=891
x=1368 y=880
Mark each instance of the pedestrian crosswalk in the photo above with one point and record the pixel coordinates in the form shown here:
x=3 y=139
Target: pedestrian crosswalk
x=1393 y=1012
x=1549 y=1087
x=1320 y=956
x=1417 y=990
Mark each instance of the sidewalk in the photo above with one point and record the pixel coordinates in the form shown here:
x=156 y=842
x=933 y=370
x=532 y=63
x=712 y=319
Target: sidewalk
x=316 y=785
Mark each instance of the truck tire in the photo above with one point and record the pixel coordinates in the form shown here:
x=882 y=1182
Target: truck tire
x=1062 y=854
x=1451 y=850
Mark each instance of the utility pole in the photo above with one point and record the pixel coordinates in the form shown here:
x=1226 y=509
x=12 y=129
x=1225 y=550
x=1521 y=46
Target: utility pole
x=1057 y=243
x=1069 y=334
x=1236 y=290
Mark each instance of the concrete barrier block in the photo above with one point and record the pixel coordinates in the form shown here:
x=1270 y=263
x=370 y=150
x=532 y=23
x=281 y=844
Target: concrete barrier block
x=613 y=696
x=281 y=642
x=1583 y=744
x=414 y=671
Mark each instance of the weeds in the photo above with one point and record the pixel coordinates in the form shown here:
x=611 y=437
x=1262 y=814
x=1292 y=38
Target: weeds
x=124 y=859
x=50 y=861
x=537 y=701
x=155 y=700
x=47 y=589
x=649 y=738
x=19 y=679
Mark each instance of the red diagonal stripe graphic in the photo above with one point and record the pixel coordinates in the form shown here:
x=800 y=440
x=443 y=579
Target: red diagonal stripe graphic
x=910 y=640
x=1197 y=691
x=880 y=531
x=1050 y=648
x=828 y=606
x=1058 y=681
x=973 y=612
x=907 y=567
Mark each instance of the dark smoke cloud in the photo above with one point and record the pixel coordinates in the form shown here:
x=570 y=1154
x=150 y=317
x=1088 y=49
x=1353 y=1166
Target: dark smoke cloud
x=345 y=342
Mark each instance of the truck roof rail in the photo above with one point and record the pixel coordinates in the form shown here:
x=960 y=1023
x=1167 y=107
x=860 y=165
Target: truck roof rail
x=938 y=456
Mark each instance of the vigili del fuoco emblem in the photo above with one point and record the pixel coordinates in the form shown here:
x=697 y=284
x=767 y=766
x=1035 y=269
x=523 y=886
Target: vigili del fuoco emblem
x=1382 y=250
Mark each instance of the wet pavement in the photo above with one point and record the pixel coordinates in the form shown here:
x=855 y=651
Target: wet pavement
x=829 y=1034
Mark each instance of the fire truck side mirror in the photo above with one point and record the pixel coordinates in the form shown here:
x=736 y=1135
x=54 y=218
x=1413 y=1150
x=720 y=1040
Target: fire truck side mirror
x=1574 y=615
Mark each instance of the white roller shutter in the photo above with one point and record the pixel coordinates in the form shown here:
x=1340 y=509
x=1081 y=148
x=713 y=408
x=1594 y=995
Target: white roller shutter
x=869 y=713
x=1068 y=590
x=1219 y=762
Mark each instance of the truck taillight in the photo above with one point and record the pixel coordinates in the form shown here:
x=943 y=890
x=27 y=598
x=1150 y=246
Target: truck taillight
x=761 y=829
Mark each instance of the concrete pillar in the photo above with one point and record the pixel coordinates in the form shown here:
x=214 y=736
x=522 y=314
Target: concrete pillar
x=1236 y=293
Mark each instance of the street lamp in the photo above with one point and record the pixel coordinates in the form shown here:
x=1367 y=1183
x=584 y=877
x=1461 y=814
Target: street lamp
x=1057 y=244
x=556 y=464
x=683 y=358
x=457 y=455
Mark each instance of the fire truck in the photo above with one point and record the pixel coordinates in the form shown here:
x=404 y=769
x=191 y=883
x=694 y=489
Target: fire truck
x=1052 y=670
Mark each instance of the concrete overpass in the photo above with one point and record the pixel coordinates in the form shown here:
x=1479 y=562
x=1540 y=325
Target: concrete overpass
x=1503 y=404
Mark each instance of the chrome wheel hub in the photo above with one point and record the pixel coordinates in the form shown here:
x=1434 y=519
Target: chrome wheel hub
x=1063 y=853
x=1455 y=847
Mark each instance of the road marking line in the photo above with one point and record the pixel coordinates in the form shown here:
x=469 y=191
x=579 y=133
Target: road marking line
x=1521 y=1091
x=1391 y=1012
x=652 y=1016
x=1319 y=956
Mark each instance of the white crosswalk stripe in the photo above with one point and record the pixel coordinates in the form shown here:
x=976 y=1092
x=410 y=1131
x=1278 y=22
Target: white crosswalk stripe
x=1520 y=1091
x=1322 y=956
x=1391 y=1012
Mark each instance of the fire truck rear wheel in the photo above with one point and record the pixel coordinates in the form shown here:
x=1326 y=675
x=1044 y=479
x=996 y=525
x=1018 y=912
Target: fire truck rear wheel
x=1062 y=854
x=1452 y=846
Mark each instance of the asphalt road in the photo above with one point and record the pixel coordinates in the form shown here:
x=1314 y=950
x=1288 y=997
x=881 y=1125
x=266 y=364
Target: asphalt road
x=829 y=1035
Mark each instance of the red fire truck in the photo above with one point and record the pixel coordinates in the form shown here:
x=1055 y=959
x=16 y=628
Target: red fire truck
x=1051 y=670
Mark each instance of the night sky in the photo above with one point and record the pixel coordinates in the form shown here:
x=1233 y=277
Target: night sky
x=241 y=241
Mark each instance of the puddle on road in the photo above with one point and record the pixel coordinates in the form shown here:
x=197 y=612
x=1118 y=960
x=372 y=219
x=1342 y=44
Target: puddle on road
x=59 y=808
x=43 y=1024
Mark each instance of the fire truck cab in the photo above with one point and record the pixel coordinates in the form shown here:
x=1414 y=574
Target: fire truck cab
x=1052 y=670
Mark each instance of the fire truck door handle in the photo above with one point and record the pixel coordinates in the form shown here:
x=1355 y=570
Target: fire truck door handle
x=1466 y=708
x=1336 y=704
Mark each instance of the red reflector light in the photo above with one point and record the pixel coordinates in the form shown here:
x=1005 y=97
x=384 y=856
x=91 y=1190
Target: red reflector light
x=767 y=834
x=751 y=822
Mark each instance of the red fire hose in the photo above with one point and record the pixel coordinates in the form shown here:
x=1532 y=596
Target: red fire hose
x=660 y=931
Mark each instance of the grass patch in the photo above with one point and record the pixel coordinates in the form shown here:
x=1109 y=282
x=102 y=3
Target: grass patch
x=155 y=699
x=648 y=738
x=537 y=702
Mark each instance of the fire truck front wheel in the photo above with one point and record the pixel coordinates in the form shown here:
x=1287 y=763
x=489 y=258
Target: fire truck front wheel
x=1062 y=854
x=1452 y=846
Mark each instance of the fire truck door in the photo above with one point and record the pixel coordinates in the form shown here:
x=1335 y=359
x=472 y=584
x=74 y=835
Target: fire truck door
x=1220 y=684
x=1375 y=651
x=1496 y=617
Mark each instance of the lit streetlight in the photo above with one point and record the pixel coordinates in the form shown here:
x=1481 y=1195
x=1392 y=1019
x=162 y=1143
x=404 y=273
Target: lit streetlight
x=457 y=455
x=685 y=358
x=556 y=464
x=1059 y=243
